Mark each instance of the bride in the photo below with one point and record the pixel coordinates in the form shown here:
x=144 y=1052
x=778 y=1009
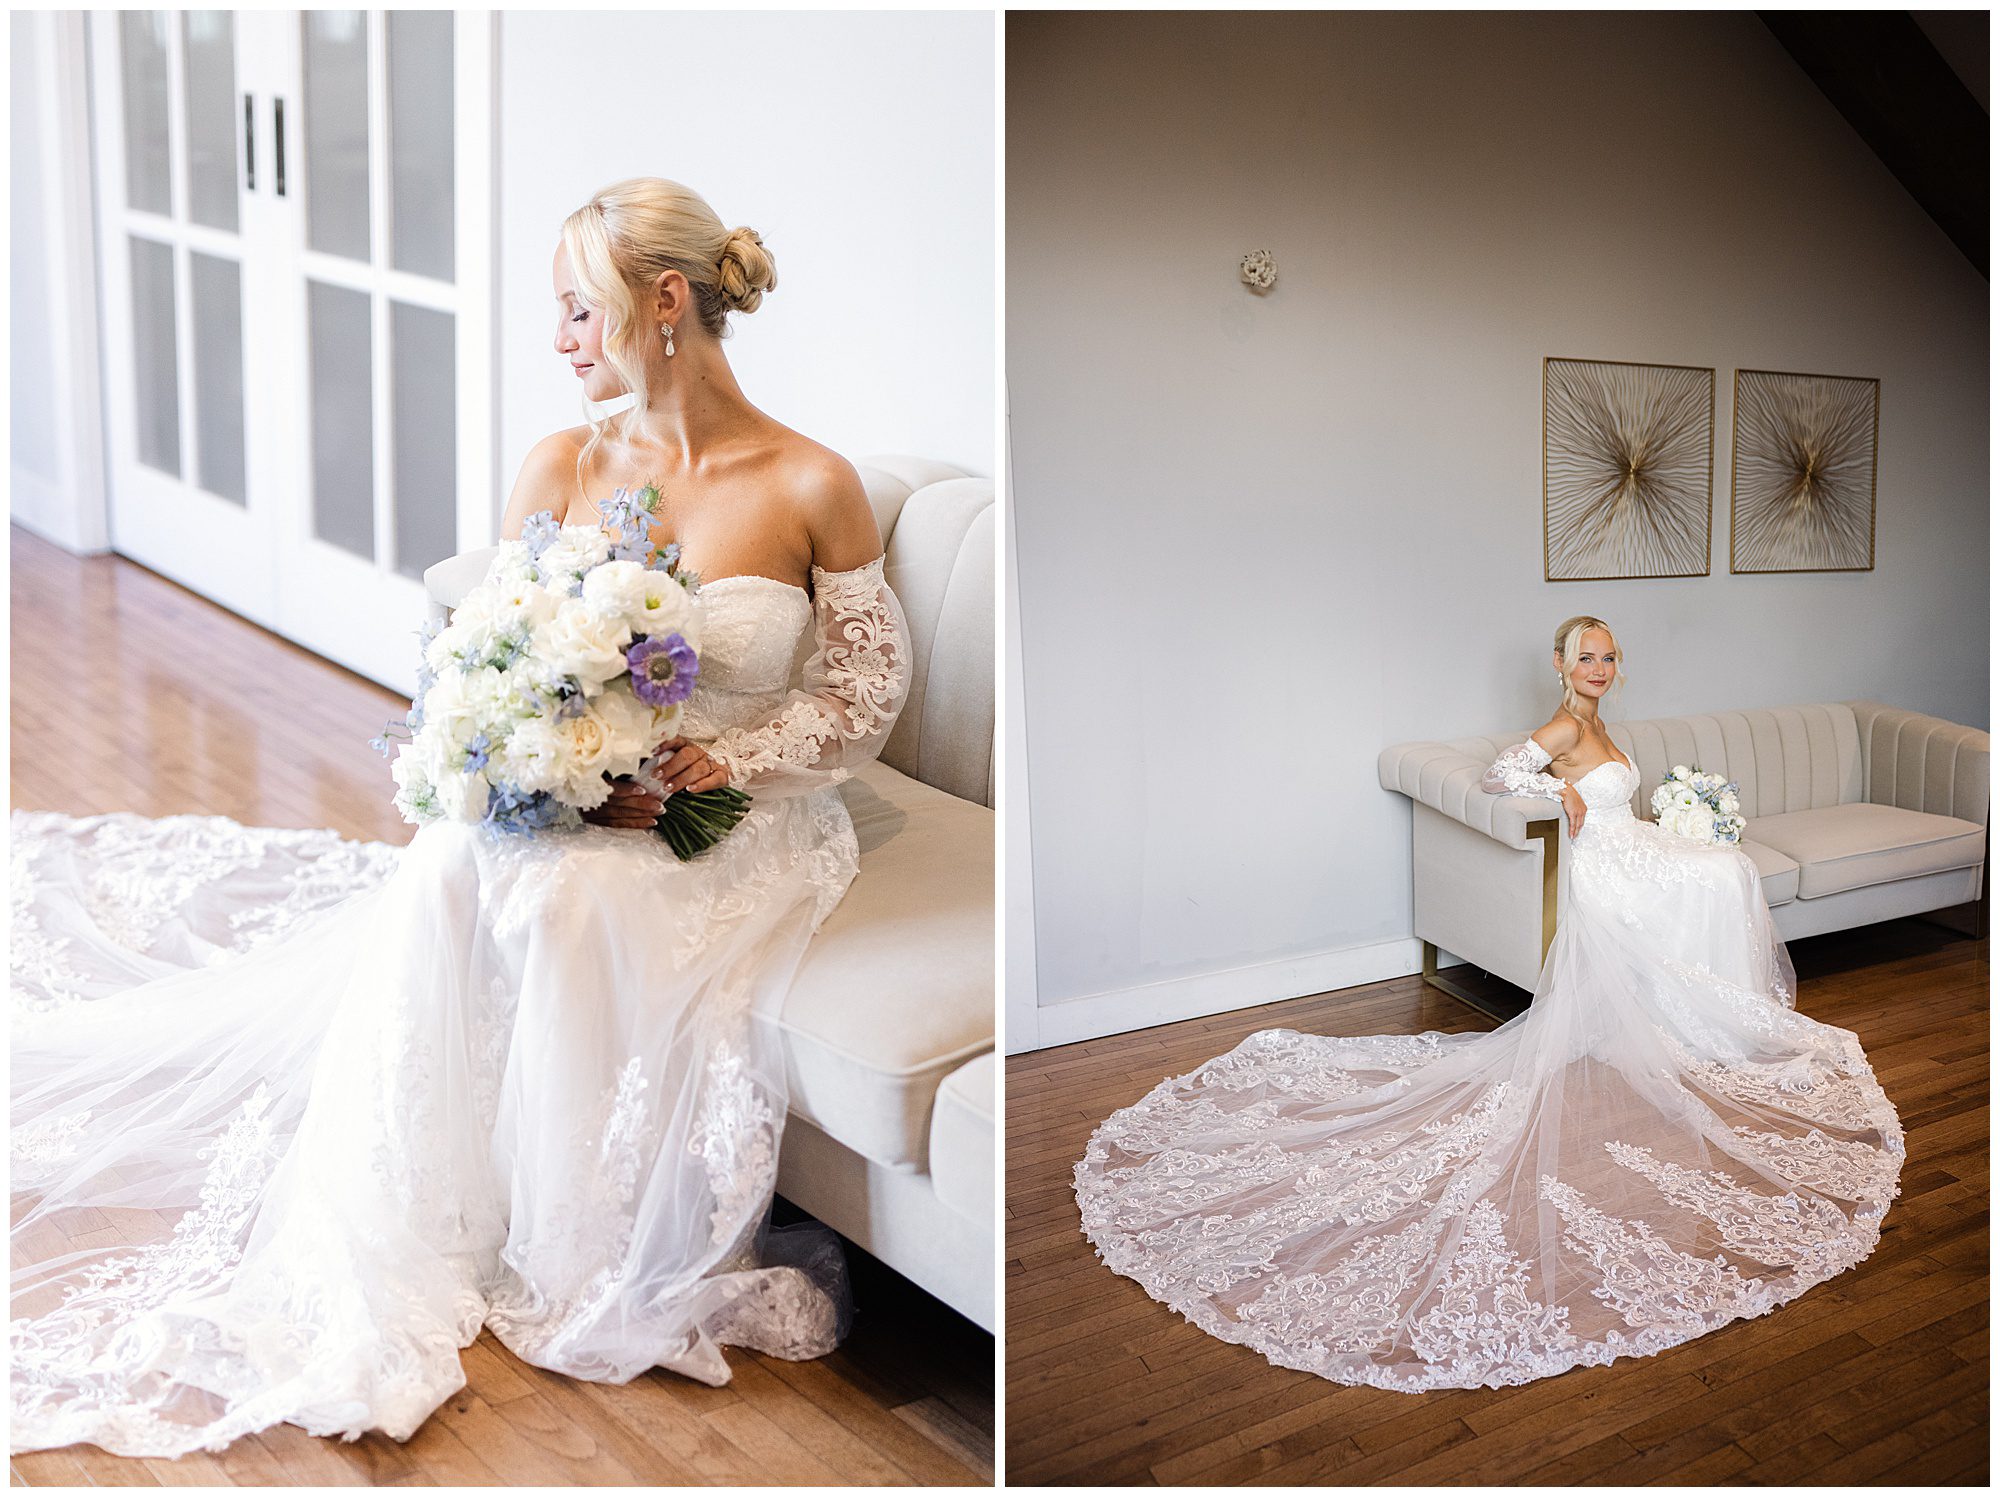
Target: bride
x=1659 y=1145
x=295 y=1118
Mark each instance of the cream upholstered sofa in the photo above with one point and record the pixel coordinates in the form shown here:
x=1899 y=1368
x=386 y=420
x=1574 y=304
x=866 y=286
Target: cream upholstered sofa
x=1856 y=812
x=889 y=1023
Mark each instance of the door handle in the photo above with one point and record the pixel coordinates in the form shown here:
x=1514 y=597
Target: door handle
x=278 y=112
x=249 y=143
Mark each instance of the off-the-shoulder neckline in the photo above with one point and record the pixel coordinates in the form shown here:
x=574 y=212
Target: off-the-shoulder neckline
x=817 y=573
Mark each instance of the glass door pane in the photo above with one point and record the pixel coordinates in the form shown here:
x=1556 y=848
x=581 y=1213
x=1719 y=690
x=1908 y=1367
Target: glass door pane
x=421 y=202
x=343 y=417
x=212 y=114
x=217 y=286
x=336 y=132
x=142 y=54
x=423 y=376
x=155 y=357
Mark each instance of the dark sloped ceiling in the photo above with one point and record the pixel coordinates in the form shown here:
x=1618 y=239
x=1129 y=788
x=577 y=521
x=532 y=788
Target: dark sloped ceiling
x=1880 y=69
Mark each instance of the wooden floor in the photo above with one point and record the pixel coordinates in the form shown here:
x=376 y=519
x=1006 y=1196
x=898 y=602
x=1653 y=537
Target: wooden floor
x=129 y=693
x=1879 y=1376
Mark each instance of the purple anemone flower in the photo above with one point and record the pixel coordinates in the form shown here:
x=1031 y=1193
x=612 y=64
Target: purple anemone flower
x=663 y=669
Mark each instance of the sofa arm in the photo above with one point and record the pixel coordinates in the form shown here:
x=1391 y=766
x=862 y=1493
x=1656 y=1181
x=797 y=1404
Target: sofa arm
x=1922 y=763
x=1449 y=782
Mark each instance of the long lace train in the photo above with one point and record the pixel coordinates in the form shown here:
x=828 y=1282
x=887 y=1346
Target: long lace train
x=1659 y=1145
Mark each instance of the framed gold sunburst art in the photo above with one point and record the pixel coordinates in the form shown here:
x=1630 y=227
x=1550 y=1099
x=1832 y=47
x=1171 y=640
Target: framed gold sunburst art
x=1628 y=457
x=1802 y=472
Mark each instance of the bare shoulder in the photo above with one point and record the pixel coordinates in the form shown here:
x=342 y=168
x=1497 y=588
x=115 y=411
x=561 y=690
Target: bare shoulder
x=1559 y=734
x=547 y=480
x=826 y=493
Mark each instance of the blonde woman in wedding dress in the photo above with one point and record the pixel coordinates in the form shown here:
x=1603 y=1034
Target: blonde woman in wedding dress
x=1659 y=1145
x=293 y=1119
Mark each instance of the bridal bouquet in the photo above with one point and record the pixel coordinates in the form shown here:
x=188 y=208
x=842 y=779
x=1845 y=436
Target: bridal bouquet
x=566 y=667
x=1700 y=807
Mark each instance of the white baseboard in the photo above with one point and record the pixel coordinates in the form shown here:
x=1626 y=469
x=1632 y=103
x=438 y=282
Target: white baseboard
x=1095 y=1015
x=39 y=505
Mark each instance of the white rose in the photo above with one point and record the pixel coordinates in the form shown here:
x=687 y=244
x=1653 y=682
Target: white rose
x=574 y=551
x=629 y=727
x=587 y=745
x=667 y=608
x=581 y=642
x=1678 y=772
x=1730 y=803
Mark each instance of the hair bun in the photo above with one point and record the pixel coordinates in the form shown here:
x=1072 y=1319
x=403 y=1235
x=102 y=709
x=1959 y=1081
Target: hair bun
x=744 y=270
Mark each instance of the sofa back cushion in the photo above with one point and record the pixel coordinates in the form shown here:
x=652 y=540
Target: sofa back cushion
x=1782 y=758
x=937 y=530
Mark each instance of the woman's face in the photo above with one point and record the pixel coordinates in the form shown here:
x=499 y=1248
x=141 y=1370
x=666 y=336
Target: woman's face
x=580 y=335
x=1596 y=665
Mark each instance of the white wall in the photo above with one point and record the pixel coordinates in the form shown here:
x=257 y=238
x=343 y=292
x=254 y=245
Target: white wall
x=859 y=145
x=55 y=452
x=1260 y=539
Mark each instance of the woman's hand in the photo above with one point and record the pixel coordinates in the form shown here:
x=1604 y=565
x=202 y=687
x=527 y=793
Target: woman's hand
x=632 y=806
x=688 y=767
x=1573 y=808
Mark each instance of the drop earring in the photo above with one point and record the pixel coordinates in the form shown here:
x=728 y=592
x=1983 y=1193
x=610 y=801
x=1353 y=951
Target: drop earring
x=667 y=332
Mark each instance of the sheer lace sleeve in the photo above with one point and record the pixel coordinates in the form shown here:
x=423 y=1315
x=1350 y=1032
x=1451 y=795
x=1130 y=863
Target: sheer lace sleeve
x=1518 y=772
x=852 y=689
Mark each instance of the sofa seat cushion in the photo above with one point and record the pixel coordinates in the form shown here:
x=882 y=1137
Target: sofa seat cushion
x=896 y=990
x=1779 y=874
x=962 y=1129
x=1855 y=846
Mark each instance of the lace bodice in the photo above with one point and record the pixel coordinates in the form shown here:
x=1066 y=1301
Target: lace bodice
x=1606 y=790
x=750 y=636
x=777 y=742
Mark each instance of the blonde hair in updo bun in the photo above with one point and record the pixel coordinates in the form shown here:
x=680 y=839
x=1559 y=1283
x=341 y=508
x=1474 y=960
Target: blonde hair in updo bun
x=1569 y=645
x=619 y=244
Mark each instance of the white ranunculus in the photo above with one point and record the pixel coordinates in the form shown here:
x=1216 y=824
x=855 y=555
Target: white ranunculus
x=532 y=757
x=451 y=716
x=1685 y=798
x=440 y=654
x=583 y=643
x=1678 y=772
x=416 y=797
x=617 y=591
x=512 y=565
x=522 y=603
x=574 y=551
x=498 y=699
x=1730 y=804
x=463 y=797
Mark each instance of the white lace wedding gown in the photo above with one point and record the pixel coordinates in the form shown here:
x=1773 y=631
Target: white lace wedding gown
x=1659 y=1145
x=294 y=1118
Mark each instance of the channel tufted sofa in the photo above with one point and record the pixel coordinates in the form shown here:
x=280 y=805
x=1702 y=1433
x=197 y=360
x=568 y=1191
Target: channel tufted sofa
x=889 y=1023
x=1856 y=812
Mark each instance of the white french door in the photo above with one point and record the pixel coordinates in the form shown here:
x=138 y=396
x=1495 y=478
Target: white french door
x=297 y=279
